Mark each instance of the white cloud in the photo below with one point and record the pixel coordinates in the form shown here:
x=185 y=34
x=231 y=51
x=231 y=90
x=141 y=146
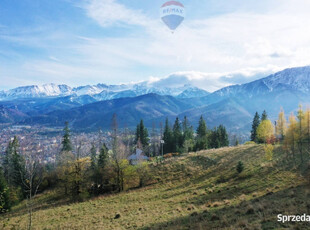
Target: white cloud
x=210 y=51
x=110 y=12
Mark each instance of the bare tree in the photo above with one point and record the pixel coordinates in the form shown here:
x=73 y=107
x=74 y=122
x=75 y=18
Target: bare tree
x=31 y=179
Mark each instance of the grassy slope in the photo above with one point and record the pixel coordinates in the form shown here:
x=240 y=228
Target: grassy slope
x=199 y=191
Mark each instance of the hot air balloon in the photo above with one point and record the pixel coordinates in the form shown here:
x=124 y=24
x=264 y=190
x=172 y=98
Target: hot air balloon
x=172 y=13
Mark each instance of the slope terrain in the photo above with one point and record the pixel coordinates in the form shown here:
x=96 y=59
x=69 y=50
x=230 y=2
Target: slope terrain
x=196 y=191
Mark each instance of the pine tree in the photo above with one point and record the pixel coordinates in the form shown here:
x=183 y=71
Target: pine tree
x=93 y=157
x=168 y=138
x=223 y=136
x=7 y=163
x=142 y=135
x=202 y=128
x=66 y=142
x=103 y=157
x=177 y=136
x=201 y=139
x=5 y=203
x=264 y=116
x=187 y=130
x=255 y=124
x=188 y=135
x=240 y=167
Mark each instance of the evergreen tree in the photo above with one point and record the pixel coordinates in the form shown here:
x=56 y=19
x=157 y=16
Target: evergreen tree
x=168 y=138
x=93 y=157
x=187 y=130
x=223 y=136
x=177 y=136
x=142 y=135
x=215 y=139
x=240 y=167
x=7 y=166
x=66 y=142
x=5 y=203
x=255 y=124
x=264 y=116
x=202 y=128
x=103 y=156
x=201 y=140
x=188 y=136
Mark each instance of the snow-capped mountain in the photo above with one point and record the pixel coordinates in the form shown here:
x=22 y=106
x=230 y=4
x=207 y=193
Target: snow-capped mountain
x=100 y=91
x=35 y=91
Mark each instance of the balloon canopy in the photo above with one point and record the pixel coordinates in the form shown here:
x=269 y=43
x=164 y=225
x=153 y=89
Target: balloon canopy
x=172 y=13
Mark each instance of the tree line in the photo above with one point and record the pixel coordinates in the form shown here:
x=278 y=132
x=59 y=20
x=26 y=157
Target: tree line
x=293 y=134
x=77 y=173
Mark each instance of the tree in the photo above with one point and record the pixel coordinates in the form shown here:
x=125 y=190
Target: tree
x=307 y=117
x=201 y=139
x=291 y=136
x=281 y=126
x=268 y=151
x=142 y=135
x=188 y=135
x=202 y=128
x=32 y=180
x=265 y=131
x=168 y=138
x=240 y=167
x=93 y=157
x=66 y=142
x=7 y=162
x=264 y=116
x=223 y=136
x=300 y=136
x=65 y=160
x=5 y=203
x=177 y=136
x=255 y=124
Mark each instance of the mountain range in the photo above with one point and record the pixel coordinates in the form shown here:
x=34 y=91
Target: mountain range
x=91 y=107
x=100 y=92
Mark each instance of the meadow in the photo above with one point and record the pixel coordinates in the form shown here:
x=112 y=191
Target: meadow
x=200 y=190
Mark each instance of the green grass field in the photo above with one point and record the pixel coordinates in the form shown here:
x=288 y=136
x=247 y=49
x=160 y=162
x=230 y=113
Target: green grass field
x=197 y=191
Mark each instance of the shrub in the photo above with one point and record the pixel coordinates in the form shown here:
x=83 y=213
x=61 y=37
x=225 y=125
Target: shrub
x=269 y=151
x=240 y=167
x=250 y=143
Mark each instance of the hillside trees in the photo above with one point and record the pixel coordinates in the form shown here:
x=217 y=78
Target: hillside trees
x=168 y=138
x=142 y=135
x=188 y=135
x=178 y=139
x=201 y=138
x=5 y=203
x=255 y=124
x=281 y=126
x=265 y=131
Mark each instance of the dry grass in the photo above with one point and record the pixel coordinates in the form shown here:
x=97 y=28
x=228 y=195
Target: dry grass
x=198 y=191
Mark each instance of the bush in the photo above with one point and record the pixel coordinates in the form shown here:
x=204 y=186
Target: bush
x=268 y=151
x=250 y=143
x=240 y=167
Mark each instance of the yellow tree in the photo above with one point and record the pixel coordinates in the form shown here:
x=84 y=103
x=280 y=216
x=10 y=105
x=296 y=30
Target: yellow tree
x=281 y=126
x=300 y=132
x=265 y=131
x=291 y=136
x=307 y=121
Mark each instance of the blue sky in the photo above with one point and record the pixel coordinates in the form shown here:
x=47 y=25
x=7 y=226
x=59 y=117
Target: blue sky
x=79 y=42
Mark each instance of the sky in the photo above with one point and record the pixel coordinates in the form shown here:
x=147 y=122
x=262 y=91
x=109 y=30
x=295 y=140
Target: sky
x=81 y=42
